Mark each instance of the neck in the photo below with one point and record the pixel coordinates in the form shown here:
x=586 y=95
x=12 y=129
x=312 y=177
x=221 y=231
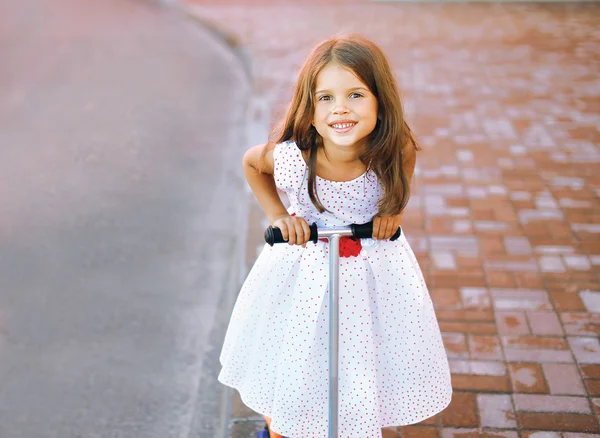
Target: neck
x=342 y=155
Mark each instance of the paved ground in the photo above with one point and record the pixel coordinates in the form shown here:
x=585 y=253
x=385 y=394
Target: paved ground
x=505 y=215
x=121 y=135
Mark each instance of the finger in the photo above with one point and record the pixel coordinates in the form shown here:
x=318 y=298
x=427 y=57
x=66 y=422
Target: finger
x=291 y=234
x=381 y=229
x=306 y=229
x=299 y=233
x=376 y=223
x=284 y=230
x=389 y=229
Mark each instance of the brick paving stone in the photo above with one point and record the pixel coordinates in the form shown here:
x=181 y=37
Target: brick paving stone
x=593 y=387
x=480 y=383
x=419 y=432
x=477 y=433
x=527 y=377
x=478 y=328
x=466 y=315
x=566 y=301
x=590 y=371
x=557 y=421
x=504 y=214
x=535 y=342
x=528 y=280
x=444 y=298
x=462 y=411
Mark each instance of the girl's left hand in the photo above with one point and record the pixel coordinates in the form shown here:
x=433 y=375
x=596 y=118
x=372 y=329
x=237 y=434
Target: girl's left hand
x=385 y=227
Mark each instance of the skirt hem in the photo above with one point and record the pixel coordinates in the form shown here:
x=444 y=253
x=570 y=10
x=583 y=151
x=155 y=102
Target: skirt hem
x=398 y=424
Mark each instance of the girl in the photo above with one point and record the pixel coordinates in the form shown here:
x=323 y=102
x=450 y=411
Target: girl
x=344 y=155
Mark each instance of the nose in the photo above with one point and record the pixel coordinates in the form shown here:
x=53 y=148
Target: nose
x=340 y=109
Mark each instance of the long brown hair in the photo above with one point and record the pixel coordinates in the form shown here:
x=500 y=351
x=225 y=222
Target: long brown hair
x=391 y=134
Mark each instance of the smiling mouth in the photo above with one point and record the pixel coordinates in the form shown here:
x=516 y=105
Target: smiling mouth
x=342 y=127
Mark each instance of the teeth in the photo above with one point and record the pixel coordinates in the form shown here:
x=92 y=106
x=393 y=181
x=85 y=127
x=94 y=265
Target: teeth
x=342 y=125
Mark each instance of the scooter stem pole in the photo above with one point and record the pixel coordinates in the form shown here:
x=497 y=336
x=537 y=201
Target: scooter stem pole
x=334 y=318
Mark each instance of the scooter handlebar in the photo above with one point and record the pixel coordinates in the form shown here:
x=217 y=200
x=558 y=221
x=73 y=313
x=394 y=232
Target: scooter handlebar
x=361 y=231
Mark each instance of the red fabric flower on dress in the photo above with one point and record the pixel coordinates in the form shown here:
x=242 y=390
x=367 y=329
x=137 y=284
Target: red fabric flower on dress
x=349 y=246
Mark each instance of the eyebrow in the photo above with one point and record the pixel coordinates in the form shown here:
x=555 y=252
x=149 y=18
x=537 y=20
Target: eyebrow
x=350 y=89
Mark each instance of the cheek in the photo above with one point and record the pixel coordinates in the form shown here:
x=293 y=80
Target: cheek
x=320 y=116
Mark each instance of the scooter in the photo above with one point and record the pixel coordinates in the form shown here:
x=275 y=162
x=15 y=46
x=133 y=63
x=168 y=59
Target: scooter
x=333 y=235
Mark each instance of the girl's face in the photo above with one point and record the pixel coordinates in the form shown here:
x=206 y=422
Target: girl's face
x=345 y=109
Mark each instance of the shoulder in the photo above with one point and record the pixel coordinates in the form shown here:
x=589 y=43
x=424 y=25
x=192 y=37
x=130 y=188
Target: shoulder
x=260 y=157
x=268 y=157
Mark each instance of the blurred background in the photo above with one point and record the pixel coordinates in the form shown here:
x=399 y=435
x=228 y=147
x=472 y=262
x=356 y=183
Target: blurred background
x=126 y=226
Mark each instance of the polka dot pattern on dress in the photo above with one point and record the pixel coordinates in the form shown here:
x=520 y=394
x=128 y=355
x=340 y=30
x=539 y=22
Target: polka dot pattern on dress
x=393 y=367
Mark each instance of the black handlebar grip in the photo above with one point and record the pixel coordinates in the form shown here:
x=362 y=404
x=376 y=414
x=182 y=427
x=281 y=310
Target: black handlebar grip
x=362 y=231
x=273 y=235
x=365 y=231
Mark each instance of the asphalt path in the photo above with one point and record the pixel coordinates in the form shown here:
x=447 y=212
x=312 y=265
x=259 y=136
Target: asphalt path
x=122 y=215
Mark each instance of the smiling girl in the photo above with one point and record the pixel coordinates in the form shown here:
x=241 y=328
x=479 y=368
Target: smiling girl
x=344 y=155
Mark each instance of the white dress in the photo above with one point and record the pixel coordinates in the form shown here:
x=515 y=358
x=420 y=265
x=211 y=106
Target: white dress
x=393 y=367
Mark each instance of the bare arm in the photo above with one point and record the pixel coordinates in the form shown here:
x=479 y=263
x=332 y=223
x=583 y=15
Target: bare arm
x=258 y=168
x=385 y=226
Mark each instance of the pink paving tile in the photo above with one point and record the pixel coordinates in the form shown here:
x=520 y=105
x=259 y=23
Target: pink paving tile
x=456 y=345
x=520 y=299
x=511 y=323
x=580 y=435
x=475 y=298
x=591 y=300
x=544 y=323
x=477 y=367
x=485 y=347
x=537 y=355
x=563 y=379
x=581 y=323
x=551 y=403
x=496 y=411
x=585 y=350
x=541 y=434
